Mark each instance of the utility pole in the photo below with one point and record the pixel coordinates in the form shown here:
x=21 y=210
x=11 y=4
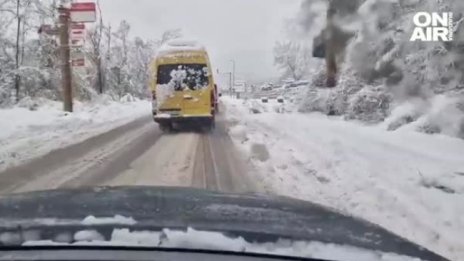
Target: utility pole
x=99 y=58
x=18 y=31
x=230 y=83
x=233 y=75
x=330 y=56
x=65 y=55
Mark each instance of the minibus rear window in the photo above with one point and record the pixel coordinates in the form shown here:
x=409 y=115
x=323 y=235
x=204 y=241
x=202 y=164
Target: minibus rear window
x=184 y=76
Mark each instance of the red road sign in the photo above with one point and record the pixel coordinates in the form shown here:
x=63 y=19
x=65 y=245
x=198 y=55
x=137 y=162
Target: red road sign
x=87 y=6
x=78 y=62
x=75 y=26
x=77 y=34
x=83 y=12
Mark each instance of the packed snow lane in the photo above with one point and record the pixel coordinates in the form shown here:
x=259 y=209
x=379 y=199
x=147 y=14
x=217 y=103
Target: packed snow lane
x=168 y=163
x=407 y=182
x=202 y=160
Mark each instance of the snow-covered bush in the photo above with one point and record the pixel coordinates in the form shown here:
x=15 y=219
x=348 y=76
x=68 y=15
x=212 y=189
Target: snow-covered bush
x=405 y=113
x=28 y=103
x=316 y=100
x=6 y=92
x=443 y=116
x=127 y=98
x=440 y=114
x=369 y=105
x=104 y=99
x=34 y=103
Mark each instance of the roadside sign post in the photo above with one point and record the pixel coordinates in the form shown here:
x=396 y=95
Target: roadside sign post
x=66 y=76
x=71 y=32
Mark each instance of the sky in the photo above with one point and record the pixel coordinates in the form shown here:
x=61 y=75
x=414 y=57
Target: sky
x=241 y=30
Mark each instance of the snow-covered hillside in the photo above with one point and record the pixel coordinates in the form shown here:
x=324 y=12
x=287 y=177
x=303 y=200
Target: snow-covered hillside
x=408 y=182
x=36 y=127
x=380 y=71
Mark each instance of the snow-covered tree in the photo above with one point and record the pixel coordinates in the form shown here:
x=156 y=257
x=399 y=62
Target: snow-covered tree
x=381 y=69
x=169 y=35
x=116 y=64
x=293 y=59
x=19 y=21
x=128 y=60
x=142 y=53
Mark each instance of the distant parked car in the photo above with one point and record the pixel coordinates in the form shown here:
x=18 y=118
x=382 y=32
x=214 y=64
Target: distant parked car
x=290 y=85
x=266 y=88
x=301 y=83
x=264 y=100
x=280 y=99
x=295 y=84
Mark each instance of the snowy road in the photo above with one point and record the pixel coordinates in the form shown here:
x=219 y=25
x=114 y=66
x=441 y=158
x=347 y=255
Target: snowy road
x=137 y=153
x=410 y=183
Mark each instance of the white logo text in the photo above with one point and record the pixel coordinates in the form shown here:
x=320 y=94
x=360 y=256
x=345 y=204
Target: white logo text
x=432 y=27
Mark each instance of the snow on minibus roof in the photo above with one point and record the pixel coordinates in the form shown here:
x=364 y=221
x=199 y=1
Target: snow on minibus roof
x=179 y=45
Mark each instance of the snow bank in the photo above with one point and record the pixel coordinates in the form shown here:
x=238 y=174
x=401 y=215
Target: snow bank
x=439 y=115
x=195 y=239
x=35 y=128
x=408 y=182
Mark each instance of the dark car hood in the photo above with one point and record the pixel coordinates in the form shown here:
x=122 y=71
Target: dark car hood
x=261 y=218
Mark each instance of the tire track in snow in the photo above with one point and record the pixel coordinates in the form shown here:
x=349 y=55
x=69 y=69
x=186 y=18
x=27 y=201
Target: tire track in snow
x=96 y=165
x=168 y=163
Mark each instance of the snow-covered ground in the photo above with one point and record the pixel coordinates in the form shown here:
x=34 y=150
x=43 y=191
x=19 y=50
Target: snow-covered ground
x=408 y=182
x=26 y=134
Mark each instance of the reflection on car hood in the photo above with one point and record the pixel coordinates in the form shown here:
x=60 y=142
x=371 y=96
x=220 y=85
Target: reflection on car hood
x=256 y=218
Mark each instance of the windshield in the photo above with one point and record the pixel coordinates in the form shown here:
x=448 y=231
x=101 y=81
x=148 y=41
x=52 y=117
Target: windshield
x=183 y=76
x=310 y=115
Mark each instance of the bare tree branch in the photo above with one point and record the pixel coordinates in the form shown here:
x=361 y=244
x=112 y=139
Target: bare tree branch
x=7 y=10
